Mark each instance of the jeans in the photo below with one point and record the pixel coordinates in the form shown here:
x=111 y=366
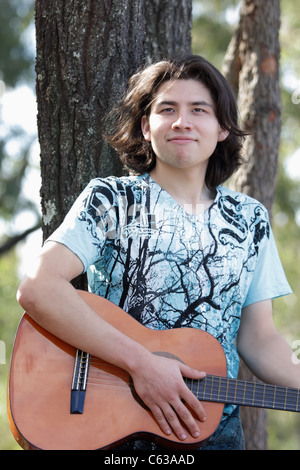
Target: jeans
x=228 y=436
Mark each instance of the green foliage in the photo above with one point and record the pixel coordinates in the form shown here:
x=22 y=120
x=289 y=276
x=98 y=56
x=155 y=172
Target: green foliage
x=210 y=17
x=16 y=66
x=286 y=209
x=15 y=59
x=207 y=43
x=10 y=314
x=290 y=37
x=13 y=169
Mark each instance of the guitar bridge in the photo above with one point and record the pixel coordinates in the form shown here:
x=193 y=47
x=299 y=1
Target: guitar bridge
x=79 y=383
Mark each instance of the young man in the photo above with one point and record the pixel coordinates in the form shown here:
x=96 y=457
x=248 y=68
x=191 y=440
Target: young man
x=170 y=246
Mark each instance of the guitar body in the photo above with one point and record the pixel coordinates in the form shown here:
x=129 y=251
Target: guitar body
x=40 y=379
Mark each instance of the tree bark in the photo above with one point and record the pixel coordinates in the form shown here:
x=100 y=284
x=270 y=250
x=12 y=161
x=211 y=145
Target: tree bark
x=168 y=28
x=86 y=51
x=252 y=67
x=257 y=60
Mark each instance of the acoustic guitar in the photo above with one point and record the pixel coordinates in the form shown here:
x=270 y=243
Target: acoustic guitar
x=63 y=398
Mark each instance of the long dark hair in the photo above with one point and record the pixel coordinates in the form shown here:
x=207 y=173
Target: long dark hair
x=127 y=139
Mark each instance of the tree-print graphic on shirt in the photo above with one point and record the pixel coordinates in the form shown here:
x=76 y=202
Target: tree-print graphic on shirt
x=174 y=270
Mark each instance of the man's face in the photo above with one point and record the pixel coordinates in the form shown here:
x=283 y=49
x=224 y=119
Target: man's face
x=182 y=126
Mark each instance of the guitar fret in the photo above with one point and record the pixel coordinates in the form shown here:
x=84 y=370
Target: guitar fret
x=198 y=382
x=263 y=399
x=248 y=393
x=233 y=391
x=285 y=396
x=219 y=388
x=253 y=394
x=274 y=396
x=211 y=387
x=227 y=385
x=244 y=394
x=239 y=392
x=204 y=390
x=292 y=400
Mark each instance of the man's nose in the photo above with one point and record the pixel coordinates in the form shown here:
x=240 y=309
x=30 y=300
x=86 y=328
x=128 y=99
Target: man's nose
x=182 y=121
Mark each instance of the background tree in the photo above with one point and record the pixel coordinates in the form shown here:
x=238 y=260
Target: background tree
x=252 y=66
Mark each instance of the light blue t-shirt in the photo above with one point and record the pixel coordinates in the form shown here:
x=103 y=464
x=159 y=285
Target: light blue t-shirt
x=168 y=268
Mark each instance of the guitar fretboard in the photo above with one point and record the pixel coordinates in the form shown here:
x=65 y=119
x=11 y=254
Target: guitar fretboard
x=240 y=392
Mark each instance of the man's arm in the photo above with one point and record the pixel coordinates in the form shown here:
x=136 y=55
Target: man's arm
x=49 y=298
x=263 y=349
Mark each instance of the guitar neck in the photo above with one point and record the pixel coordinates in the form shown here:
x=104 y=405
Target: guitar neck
x=239 y=392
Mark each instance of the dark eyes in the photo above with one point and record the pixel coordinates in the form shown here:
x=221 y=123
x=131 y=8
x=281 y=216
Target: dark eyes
x=199 y=110
x=194 y=110
x=168 y=110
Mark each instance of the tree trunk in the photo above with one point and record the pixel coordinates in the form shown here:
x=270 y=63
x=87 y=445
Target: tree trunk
x=257 y=60
x=168 y=28
x=252 y=67
x=86 y=51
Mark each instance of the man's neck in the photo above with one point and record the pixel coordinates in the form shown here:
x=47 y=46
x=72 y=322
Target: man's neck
x=187 y=187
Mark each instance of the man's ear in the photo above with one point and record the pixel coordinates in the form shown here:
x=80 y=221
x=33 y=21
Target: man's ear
x=146 y=128
x=223 y=134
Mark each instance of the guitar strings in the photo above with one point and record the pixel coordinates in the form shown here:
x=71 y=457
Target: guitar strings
x=106 y=376
x=103 y=374
x=268 y=396
x=224 y=385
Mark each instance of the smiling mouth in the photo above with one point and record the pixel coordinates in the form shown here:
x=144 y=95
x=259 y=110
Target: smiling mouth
x=182 y=139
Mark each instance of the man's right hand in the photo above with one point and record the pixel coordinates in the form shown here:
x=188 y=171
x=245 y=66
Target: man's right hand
x=160 y=385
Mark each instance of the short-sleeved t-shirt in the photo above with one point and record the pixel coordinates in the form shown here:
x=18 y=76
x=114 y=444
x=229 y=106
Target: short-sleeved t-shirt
x=168 y=268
